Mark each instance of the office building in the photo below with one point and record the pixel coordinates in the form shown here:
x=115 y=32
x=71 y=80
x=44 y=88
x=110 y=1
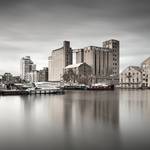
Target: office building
x=32 y=76
x=26 y=66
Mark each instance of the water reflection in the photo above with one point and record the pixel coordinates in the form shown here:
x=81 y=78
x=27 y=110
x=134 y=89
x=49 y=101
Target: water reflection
x=77 y=120
x=76 y=117
x=77 y=106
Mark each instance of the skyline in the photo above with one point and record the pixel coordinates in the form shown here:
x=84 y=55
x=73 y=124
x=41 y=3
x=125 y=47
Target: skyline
x=35 y=27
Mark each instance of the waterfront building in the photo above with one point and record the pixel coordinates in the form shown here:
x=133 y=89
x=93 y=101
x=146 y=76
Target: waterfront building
x=16 y=79
x=59 y=59
x=145 y=65
x=115 y=46
x=26 y=66
x=43 y=75
x=7 y=78
x=131 y=77
x=32 y=76
x=79 y=55
x=1 y=77
x=101 y=61
x=80 y=73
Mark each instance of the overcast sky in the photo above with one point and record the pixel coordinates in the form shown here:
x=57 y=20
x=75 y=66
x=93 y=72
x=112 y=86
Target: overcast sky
x=35 y=27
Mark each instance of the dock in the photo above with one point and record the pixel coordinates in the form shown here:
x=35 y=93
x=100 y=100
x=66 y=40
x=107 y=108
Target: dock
x=31 y=92
x=13 y=92
x=46 y=91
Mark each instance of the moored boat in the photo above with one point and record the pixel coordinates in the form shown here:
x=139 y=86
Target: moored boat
x=101 y=87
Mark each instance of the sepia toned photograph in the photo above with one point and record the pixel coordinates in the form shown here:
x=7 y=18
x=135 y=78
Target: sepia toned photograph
x=74 y=75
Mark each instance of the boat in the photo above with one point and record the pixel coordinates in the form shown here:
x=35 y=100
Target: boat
x=74 y=87
x=101 y=87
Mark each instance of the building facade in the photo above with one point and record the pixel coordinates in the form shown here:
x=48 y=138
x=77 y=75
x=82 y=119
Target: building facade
x=131 y=77
x=100 y=59
x=59 y=59
x=26 y=66
x=32 y=76
x=145 y=65
x=80 y=73
x=115 y=46
x=43 y=75
x=79 y=55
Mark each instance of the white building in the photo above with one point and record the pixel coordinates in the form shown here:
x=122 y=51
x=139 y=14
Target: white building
x=131 y=77
x=59 y=59
x=145 y=65
x=26 y=66
x=33 y=76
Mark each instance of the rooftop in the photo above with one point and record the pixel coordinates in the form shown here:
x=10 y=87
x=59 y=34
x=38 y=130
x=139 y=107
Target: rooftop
x=73 y=65
x=146 y=61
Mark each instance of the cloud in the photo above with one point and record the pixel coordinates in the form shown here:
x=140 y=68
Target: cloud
x=36 y=27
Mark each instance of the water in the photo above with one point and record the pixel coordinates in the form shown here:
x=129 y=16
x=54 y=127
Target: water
x=78 y=120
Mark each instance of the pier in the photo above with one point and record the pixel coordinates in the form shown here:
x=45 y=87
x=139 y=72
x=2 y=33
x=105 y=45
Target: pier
x=31 y=92
x=46 y=91
x=13 y=92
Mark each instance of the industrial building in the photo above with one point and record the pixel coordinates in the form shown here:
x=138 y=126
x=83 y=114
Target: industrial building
x=104 y=61
x=59 y=59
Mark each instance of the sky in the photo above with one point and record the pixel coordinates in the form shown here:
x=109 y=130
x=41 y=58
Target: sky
x=36 y=27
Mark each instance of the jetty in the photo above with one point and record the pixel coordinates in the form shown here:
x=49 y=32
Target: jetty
x=31 y=92
x=13 y=92
x=46 y=91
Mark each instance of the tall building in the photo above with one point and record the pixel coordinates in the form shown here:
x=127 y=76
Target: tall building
x=26 y=66
x=59 y=59
x=100 y=59
x=79 y=55
x=43 y=75
x=115 y=46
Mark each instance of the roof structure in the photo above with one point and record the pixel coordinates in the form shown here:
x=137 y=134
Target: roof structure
x=136 y=68
x=146 y=61
x=73 y=65
x=133 y=67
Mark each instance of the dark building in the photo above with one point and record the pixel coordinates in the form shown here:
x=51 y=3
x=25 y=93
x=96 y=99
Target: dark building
x=7 y=78
x=115 y=46
x=43 y=75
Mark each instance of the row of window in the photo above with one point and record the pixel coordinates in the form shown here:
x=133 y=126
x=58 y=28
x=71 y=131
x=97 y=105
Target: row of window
x=130 y=74
x=131 y=80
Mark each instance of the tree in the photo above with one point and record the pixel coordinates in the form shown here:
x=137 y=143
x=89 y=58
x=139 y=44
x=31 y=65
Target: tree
x=70 y=76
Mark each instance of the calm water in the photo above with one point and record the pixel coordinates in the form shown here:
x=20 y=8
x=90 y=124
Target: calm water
x=78 y=120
